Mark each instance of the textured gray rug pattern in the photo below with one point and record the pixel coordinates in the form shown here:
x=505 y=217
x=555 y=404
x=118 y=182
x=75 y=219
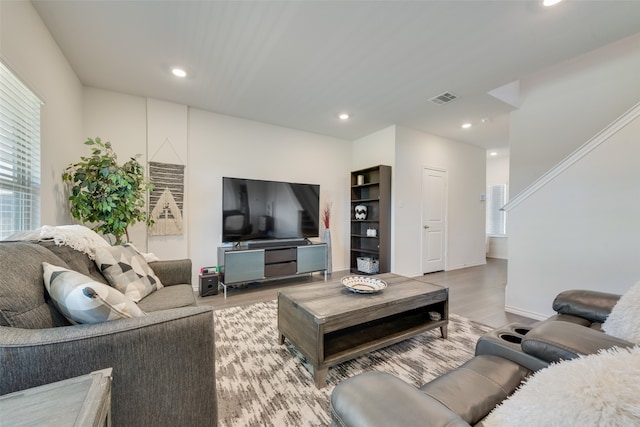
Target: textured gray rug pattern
x=261 y=383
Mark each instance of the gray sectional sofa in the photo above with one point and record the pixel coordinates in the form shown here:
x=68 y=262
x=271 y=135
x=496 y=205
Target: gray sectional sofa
x=504 y=358
x=163 y=363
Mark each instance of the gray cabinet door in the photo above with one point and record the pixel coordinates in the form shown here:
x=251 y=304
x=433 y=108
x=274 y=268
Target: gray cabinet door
x=243 y=266
x=312 y=258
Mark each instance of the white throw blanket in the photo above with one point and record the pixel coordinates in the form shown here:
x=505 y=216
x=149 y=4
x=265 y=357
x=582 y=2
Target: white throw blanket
x=78 y=237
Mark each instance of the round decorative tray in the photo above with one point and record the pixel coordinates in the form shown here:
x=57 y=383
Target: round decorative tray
x=363 y=284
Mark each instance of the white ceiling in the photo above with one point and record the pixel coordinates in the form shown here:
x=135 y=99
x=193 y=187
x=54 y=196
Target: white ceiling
x=299 y=63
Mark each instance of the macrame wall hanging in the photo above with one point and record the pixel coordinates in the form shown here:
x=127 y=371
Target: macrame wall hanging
x=166 y=200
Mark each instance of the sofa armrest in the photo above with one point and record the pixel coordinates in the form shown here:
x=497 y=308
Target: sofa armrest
x=163 y=364
x=380 y=399
x=173 y=272
x=591 y=305
x=557 y=340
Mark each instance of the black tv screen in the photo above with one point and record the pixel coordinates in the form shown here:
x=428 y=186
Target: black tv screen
x=258 y=210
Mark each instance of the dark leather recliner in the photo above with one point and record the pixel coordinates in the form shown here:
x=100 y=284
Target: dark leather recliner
x=467 y=394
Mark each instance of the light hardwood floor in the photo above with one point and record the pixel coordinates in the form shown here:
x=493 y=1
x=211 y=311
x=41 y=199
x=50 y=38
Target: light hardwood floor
x=476 y=293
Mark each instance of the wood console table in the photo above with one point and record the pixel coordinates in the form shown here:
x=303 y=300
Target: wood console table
x=83 y=401
x=329 y=324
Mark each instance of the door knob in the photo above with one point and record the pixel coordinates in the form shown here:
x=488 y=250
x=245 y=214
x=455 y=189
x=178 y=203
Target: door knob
x=426 y=226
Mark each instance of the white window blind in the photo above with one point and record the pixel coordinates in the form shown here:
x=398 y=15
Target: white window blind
x=19 y=155
x=496 y=218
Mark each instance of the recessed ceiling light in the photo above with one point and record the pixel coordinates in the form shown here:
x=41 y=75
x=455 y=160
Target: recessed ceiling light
x=466 y=126
x=493 y=153
x=548 y=3
x=343 y=116
x=179 y=72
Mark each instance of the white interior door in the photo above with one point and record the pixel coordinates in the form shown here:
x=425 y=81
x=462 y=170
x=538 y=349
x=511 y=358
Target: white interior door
x=434 y=224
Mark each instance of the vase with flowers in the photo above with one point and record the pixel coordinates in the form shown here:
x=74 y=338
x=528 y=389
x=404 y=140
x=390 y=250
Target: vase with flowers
x=326 y=236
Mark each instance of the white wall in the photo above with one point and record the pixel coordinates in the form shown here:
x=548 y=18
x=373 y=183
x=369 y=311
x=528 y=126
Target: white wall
x=498 y=247
x=565 y=105
x=580 y=231
x=498 y=170
x=122 y=120
x=29 y=50
x=375 y=149
x=466 y=168
x=167 y=143
x=221 y=145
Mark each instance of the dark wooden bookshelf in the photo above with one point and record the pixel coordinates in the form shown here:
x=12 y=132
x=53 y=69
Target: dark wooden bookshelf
x=373 y=191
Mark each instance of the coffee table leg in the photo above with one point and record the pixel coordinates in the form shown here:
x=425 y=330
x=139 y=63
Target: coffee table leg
x=280 y=339
x=443 y=331
x=320 y=377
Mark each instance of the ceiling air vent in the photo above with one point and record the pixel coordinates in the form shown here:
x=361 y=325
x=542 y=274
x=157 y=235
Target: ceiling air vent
x=443 y=98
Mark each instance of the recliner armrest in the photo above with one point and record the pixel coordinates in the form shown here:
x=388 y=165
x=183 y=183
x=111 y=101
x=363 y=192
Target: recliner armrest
x=591 y=305
x=379 y=399
x=557 y=340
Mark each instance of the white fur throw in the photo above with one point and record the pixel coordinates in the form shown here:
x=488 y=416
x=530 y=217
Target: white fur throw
x=624 y=319
x=597 y=390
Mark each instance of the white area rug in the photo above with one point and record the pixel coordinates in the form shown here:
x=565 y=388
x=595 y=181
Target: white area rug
x=261 y=383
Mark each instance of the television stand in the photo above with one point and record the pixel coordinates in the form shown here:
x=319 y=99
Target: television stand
x=277 y=260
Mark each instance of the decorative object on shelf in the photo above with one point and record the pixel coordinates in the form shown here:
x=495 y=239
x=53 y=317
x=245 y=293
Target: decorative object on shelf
x=361 y=212
x=363 y=285
x=360 y=179
x=368 y=265
x=372 y=232
x=109 y=195
x=326 y=236
x=435 y=316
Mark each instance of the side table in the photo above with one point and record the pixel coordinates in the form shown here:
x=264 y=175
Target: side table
x=81 y=401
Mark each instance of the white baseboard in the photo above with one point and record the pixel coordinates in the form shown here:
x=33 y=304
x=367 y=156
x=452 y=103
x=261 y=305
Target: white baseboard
x=411 y=275
x=447 y=268
x=525 y=313
x=458 y=267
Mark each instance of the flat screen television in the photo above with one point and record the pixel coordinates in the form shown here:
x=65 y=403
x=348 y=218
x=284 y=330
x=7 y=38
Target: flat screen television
x=264 y=210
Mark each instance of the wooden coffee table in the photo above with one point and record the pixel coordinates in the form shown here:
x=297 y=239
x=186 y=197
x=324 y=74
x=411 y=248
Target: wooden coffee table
x=329 y=324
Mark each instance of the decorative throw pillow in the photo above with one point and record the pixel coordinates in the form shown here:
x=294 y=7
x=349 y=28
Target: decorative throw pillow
x=127 y=271
x=624 y=319
x=83 y=300
x=596 y=390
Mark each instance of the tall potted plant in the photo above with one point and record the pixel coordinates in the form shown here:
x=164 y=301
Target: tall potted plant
x=108 y=195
